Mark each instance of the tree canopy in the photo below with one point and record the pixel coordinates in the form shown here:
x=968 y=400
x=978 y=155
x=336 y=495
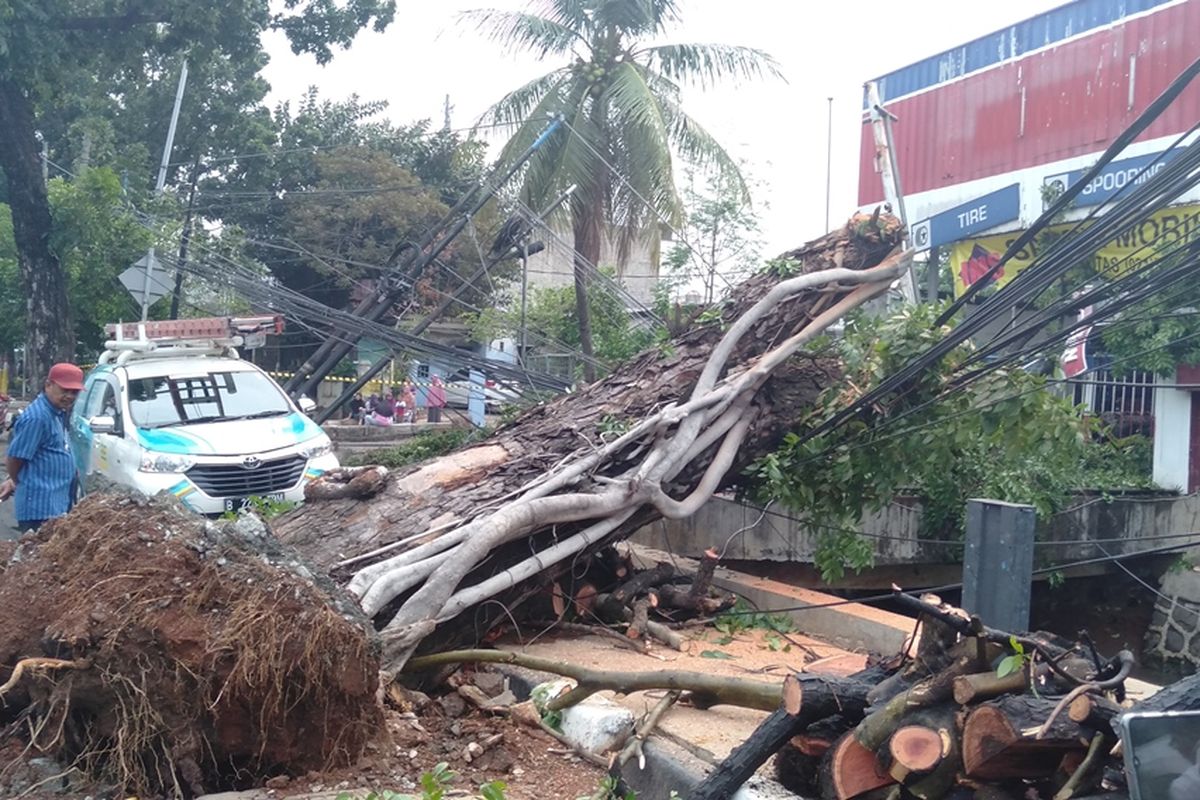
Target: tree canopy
x=67 y=65
x=618 y=92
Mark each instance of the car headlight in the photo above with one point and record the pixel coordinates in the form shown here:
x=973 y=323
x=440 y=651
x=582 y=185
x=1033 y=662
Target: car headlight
x=322 y=447
x=166 y=462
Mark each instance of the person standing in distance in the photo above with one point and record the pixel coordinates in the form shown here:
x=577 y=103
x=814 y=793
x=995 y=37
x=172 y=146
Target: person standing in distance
x=41 y=469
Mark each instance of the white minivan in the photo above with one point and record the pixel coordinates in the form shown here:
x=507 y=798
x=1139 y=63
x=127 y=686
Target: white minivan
x=198 y=422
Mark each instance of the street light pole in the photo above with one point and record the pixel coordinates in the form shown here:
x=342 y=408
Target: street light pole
x=828 y=163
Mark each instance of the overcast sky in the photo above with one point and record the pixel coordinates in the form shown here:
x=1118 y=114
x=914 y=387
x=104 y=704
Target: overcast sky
x=824 y=49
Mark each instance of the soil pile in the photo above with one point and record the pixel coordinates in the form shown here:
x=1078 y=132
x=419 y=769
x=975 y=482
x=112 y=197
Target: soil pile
x=162 y=653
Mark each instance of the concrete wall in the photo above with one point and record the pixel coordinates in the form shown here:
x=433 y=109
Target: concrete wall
x=554 y=266
x=745 y=533
x=1173 y=639
x=1172 y=435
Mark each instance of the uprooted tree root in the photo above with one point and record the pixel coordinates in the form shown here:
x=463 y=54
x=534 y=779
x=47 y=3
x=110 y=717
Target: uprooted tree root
x=166 y=654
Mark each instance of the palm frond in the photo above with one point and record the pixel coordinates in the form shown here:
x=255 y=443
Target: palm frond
x=572 y=14
x=537 y=34
x=643 y=192
x=697 y=146
x=518 y=106
x=707 y=64
x=636 y=17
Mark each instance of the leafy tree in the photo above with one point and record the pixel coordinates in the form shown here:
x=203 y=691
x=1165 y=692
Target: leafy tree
x=95 y=238
x=63 y=55
x=1006 y=436
x=719 y=234
x=551 y=321
x=620 y=97
x=327 y=198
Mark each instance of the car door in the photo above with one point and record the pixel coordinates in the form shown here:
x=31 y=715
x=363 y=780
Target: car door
x=109 y=451
x=81 y=433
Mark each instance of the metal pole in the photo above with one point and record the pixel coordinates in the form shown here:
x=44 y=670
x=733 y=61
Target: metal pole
x=372 y=308
x=885 y=164
x=524 y=300
x=828 y=163
x=998 y=562
x=162 y=180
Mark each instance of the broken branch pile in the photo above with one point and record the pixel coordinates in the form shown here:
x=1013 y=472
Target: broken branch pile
x=976 y=712
x=488 y=527
x=165 y=655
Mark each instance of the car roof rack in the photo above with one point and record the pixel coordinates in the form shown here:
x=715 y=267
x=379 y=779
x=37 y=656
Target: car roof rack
x=173 y=338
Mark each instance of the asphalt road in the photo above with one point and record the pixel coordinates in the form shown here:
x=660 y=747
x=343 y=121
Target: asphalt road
x=8 y=522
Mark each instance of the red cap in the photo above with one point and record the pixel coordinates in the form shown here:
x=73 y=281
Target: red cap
x=68 y=376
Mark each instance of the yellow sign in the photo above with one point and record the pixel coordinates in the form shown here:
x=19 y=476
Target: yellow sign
x=970 y=259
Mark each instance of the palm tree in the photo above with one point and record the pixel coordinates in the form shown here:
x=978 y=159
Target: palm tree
x=619 y=98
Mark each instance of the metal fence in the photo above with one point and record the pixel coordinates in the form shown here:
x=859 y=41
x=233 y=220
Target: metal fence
x=1125 y=402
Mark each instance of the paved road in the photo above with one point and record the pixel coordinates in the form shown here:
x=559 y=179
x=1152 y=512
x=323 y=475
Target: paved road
x=8 y=523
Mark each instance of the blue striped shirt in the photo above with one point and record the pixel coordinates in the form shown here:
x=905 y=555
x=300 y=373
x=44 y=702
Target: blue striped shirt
x=44 y=484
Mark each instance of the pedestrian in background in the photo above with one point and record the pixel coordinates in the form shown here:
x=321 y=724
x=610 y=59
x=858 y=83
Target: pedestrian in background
x=41 y=469
x=381 y=416
x=436 y=400
x=409 y=398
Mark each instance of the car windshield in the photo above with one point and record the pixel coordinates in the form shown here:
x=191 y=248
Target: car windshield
x=163 y=401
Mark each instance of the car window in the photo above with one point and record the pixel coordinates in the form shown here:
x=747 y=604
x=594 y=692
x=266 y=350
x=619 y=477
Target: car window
x=101 y=401
x=162 y=400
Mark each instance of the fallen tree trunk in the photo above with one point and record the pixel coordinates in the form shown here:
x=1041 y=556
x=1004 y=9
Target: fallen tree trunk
x=706 y=690
x=501 y=519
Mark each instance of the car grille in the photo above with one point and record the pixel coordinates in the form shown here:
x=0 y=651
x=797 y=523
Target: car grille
x=234 y=480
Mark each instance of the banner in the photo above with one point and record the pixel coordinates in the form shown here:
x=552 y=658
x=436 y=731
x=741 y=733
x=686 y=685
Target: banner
x=970 y=259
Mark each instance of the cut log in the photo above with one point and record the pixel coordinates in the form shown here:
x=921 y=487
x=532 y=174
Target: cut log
x=640 y=582
x=1094 y=711
x=851 y=771
x=914 y=748
x=798 y=762
x=640 y=620
x=998 y=739
x=980 y=686
x=820 y=697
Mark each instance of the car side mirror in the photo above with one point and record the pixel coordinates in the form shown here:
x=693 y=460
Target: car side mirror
x=306 y=404
x=103 y=424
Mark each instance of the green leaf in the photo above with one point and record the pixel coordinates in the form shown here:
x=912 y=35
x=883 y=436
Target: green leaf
x=1008 y=665
x=717 y=654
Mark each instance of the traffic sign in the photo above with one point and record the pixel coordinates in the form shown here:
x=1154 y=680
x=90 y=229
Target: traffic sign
x=988 y=211
x=1115 y=176
x=134 y=279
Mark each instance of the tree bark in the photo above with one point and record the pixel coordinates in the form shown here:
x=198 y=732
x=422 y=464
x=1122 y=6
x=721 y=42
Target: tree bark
x=999 y=739
x=414 y=524
x=49 y=334
x=820 y=697
x=589 y=232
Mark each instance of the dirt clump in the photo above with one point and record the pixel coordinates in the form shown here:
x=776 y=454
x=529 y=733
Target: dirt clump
x=160 y=653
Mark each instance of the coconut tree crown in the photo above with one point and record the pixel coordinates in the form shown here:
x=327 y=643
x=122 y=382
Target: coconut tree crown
x=619 y=97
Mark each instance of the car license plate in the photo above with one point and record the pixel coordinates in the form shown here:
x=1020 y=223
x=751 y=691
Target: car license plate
x=239 y=503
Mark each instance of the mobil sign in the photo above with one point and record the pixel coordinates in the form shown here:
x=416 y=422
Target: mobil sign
x=974 y=216
x=1115 y=176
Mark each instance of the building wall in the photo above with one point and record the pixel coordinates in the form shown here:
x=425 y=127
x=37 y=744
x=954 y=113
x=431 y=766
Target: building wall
x=1060 y=85
x=1172 y=433
x=554 y=266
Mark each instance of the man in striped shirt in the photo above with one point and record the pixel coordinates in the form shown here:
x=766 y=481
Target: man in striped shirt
x=41 y=469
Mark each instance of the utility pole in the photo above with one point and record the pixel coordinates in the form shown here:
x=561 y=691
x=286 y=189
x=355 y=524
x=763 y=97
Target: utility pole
x=446 y=109
x=885 y=165
x=184 y=239
x=162 y=180
x=828 y=163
